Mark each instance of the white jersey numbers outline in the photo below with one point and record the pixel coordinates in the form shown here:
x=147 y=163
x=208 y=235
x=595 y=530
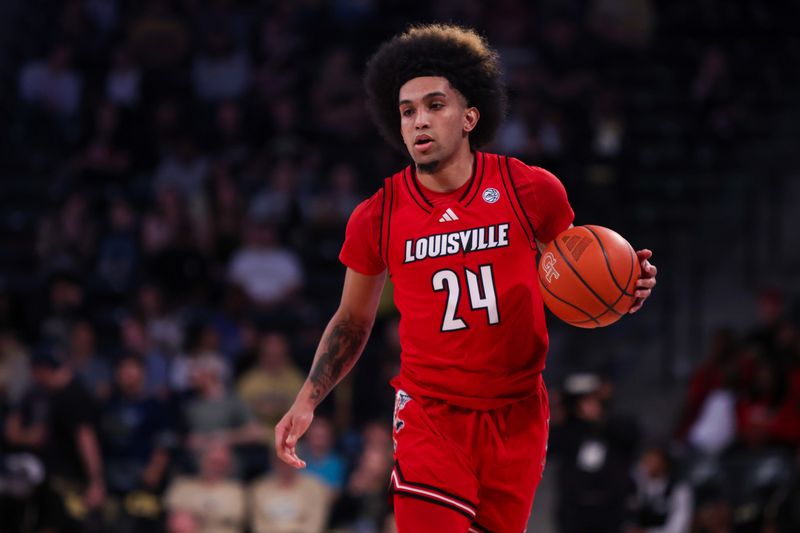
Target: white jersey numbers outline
x=450 y=322
x=481 y=291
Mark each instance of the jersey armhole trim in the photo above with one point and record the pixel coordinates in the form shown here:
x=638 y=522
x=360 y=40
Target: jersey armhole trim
x=477 y=178
x=513 y=199
x=386 y=219
x=516 y=195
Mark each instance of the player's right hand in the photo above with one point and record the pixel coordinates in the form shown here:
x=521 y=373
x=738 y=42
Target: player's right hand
x=289 y=430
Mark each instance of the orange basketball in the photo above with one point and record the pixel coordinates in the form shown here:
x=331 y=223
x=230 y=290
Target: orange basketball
x=587 y=276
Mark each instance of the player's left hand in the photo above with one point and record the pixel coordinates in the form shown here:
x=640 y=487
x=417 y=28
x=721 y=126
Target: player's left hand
x=646 y=282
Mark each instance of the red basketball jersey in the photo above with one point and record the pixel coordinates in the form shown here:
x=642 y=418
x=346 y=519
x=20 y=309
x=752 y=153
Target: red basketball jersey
x=463 y=264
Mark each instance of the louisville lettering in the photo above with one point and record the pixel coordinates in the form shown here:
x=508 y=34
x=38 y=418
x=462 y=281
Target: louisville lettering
x=457 y=242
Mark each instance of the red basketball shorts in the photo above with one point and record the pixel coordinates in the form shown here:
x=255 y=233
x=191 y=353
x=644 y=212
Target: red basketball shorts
x=480 y=467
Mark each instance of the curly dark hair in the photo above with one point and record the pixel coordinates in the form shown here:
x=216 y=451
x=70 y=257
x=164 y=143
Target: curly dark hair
x=458 y=54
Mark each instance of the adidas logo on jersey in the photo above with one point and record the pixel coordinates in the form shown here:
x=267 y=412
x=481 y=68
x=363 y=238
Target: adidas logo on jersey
x=448 y=216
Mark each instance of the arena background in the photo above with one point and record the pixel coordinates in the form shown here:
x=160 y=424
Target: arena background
x=175 y=181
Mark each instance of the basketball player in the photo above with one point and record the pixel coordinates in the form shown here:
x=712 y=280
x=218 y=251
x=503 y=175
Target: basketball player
x=457 y=231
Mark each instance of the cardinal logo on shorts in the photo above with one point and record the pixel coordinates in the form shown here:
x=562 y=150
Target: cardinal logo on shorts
x=549 y=266
x=400 y=401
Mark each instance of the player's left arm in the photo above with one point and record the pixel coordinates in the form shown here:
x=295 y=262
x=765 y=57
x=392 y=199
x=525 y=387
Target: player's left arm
x=544 y=200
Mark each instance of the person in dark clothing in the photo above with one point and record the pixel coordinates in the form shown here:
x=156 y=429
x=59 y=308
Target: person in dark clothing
x=663 y=502
x=594 y=453
x=136 y=440
x=71 y=452
x=24 y=500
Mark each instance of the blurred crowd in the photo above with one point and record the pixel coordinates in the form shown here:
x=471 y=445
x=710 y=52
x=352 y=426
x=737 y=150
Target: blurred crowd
x=732 y=464
x=202 y=161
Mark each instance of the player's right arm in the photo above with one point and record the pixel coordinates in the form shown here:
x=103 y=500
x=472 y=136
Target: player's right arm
x=339 y=349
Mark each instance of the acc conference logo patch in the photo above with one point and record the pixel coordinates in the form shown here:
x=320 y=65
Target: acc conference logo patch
x=490 y=195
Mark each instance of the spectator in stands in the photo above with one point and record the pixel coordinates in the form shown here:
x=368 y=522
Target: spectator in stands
x=767 y=412
x=136 y=342
x=231 y=145
x=201 y=341
x=176 y=260
x=269 y=388
x=336 y=201
x=123 y=83
x=24 y=428
x=88 y=365
x=136 y=432
x=52 y=86
x=321 y=458
x=662 y=503
x=595 y=452
x=163 y=222
x=106 y=158
x=66 y=239
x=221 y=72
x=185 y=169
x=364 y=505
x=72 y=453
x=712 y=374
x=226 y=208
x=14 y=366
x=136 y=436
x=708 y=418
x=215 y=414
x=66 y=304
x=118 y=253
x=269 y=273
x=281 y=501
x=277 y=201
x=162 y=325
x=216 y=501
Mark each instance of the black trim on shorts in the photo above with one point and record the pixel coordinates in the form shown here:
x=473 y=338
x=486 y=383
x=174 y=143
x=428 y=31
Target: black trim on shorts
x=431 y=487
x=434 y=501
x=479 y=527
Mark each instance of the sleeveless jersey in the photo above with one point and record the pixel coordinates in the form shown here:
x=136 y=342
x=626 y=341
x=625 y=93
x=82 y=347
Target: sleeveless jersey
x=472 y=325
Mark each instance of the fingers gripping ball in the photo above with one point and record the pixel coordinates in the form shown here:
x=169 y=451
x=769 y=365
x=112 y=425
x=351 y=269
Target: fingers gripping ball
x=587 y=276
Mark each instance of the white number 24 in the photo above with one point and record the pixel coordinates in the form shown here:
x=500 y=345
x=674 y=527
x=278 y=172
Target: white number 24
x=481 y=295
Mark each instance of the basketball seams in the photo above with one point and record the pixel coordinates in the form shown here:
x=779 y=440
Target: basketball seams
x=557 y=297
x=623 y=291
x=593 y=319
x=608 y=264
x=583 y=281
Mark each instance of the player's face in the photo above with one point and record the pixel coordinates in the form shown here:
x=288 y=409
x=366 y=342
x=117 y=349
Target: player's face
x=434 y=119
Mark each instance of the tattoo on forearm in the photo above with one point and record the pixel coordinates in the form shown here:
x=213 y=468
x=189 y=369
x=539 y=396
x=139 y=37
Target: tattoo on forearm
x=342 y=346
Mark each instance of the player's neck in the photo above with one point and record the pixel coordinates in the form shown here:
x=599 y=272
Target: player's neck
x=450 y=174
